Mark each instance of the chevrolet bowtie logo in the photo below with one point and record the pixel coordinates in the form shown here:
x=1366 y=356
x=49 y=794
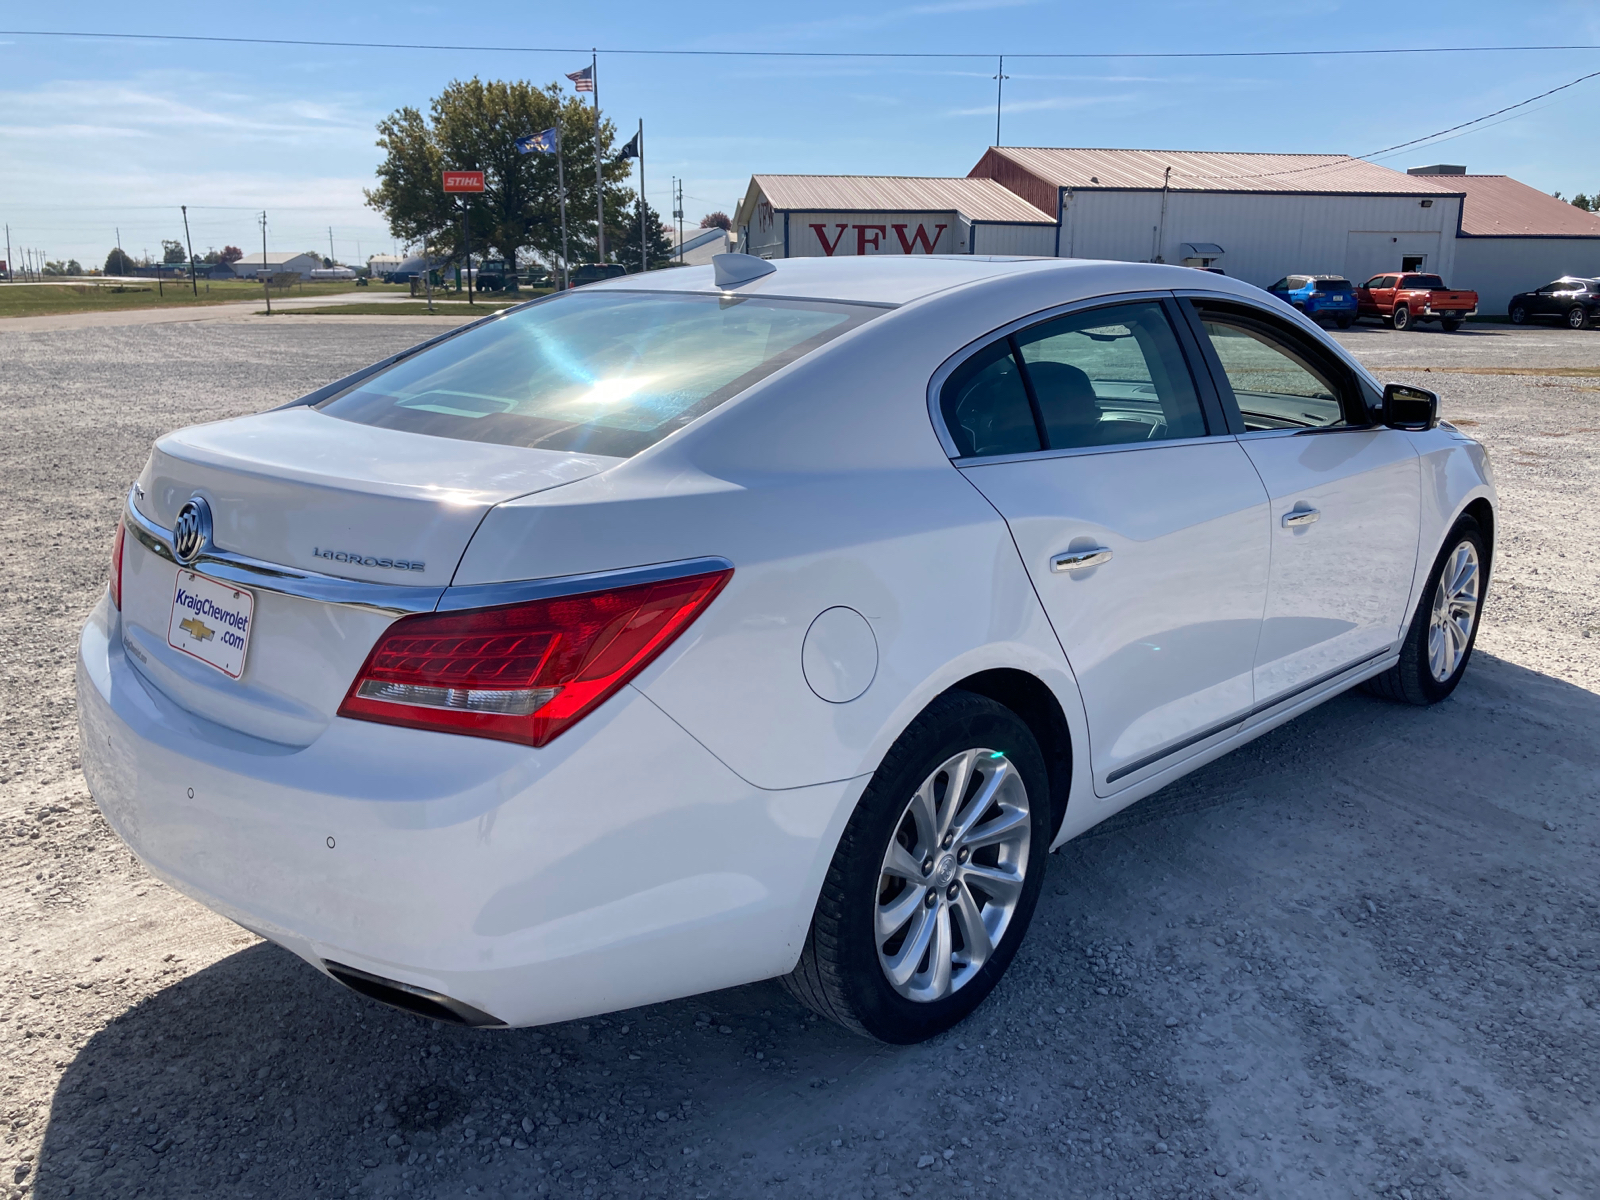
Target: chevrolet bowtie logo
x=197 y=629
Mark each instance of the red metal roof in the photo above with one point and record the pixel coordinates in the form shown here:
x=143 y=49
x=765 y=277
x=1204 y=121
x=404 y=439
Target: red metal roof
x=1500 y=206
x=1205 y=171
x=978 y=199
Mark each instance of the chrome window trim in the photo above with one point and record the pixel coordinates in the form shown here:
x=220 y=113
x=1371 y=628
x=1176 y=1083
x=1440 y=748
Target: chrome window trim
x=949 y=366
x=521 y=591
x=264 y=576
x=395 y=599
x=983 y=460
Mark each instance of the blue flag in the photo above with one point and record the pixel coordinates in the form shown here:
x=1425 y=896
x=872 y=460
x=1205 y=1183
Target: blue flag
x=540 y=143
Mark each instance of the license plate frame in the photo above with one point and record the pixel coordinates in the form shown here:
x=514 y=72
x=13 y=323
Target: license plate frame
x=211 y=621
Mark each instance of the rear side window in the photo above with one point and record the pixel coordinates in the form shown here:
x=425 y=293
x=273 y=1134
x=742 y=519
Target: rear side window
x=1105 y=377
x=601 y=372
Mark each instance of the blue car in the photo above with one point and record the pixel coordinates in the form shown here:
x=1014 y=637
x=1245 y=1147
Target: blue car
x=1319 y=296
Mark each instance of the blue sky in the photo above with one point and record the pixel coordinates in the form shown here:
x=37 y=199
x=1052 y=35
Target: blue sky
x=100 y=134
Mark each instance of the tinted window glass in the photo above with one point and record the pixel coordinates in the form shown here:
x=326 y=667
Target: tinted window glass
x=1281 y=286
x=1386 y=282
x=985 y=405
x=1110 y=376
x=1333 y=285
x=1276 y=382
x=1422 y=281
x=603 y=372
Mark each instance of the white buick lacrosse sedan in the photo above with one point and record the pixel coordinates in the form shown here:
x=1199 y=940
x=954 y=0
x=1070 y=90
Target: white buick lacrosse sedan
x=758 y=620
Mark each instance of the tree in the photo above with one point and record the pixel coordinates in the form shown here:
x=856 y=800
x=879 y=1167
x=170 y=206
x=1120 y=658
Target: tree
x=70 y=267
x=118 y=263
x=627 y=252
x=716 y=220
x=1587 y=203
x=173 y=252
x=230 y=254
x=474 y=125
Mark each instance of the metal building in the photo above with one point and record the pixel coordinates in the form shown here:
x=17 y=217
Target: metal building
x=793 y=216
x=1514 y=238
x=1256 y=216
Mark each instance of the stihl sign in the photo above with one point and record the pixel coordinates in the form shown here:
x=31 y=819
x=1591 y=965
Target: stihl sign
x=812 y=234
x=463 y=181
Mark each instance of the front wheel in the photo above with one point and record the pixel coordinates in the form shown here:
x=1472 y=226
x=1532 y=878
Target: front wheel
x=1439 y=642
x=1577 y=318
x=935 y=878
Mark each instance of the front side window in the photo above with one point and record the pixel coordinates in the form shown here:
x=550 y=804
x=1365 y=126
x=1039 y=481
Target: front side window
x=1277 y=381
x=599 y=372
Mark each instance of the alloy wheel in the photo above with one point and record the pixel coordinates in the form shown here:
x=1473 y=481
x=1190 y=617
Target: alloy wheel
x=1576 y=317
x=1455 y=608
x=952 y=874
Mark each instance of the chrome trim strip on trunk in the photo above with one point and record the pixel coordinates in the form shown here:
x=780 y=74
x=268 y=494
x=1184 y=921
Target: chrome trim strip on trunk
x=263 y=576
x=491 y=595
x=1223 y=726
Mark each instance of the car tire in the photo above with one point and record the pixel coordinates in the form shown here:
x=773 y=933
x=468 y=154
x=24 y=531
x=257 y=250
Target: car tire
x=1437 y=648
x=877 y=904
x=1344 y=322
x=1577 y=318
x=1449 y=326
x=1518 y=315
x=1402 y=318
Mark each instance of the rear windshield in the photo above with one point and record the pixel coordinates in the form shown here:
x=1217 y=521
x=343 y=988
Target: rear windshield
x=601 y=372
x=1332 y=285
x=1422 y=281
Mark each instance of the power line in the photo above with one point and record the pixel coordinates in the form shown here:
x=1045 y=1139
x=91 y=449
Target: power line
x=863 y=54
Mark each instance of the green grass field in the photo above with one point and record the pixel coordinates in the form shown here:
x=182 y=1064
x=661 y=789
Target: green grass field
x=32 y=300
x=403 y=309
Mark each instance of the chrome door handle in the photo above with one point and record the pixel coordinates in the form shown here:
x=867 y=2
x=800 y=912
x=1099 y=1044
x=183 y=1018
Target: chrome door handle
x=1301 y=516
x=1078 y=560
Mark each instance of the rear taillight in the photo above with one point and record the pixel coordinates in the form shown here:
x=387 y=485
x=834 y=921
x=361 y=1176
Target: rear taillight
x=116 y=565
x=523 y=672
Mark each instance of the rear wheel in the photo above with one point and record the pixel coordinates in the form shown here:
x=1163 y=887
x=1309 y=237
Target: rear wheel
x=1577 y=318
x=1345 y=320
x=935 y=878
x=1518 y=315
x=1450 y=326
x=1402 y=317
x=1439 y=642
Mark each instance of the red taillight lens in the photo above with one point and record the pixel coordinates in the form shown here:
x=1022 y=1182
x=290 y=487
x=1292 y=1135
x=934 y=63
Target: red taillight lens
x=524 y=672
x=116 y=565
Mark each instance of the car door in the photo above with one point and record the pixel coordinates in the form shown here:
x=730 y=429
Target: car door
x=1345 y=495
x=1139 y=518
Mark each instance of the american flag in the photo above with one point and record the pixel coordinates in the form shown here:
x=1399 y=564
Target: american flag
x=582 y=81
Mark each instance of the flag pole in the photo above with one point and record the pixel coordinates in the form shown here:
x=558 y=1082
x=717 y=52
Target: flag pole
x=561 y=188
x=644 y=245
x=599 y=185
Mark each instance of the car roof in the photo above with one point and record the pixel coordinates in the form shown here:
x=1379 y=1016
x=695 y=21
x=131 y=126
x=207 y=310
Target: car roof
x=900 y=279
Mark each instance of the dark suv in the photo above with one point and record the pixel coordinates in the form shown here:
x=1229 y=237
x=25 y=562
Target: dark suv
x=595 y=272
x=1571 y=299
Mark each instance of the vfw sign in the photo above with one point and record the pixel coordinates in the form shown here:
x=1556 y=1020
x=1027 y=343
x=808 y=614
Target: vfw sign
x=834 y=235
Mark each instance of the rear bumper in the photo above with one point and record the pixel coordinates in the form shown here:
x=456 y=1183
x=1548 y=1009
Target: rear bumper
x=623 y=864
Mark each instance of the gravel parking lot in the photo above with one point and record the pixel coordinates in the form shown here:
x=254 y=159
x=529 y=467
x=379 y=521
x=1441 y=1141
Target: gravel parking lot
x=1359 y=957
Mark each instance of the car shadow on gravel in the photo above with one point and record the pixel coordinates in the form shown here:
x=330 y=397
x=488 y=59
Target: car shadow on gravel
x=1111 y=1057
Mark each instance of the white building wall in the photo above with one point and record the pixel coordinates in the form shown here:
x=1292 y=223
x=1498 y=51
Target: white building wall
x=1264 y=237
x=996 y=238
x=1497 y=268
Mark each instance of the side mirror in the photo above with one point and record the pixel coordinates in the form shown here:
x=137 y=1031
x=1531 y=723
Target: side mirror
x=1410 y=408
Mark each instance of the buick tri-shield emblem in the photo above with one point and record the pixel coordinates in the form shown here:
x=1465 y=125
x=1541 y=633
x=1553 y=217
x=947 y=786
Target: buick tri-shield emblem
x=192 y=532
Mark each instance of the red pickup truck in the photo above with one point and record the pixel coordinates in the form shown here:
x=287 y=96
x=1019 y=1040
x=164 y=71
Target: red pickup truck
x=1404 y=299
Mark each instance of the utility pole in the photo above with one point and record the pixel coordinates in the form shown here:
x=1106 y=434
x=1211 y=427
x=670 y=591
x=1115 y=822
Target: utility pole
x=599 y=182
x=677 y=211
x=266 y=289
x=188 y=241
x=1000 y=78
x=11 y=267
x=466 y=231
x=331 y=260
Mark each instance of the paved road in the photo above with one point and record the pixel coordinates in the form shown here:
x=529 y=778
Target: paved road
x=1359 y=957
